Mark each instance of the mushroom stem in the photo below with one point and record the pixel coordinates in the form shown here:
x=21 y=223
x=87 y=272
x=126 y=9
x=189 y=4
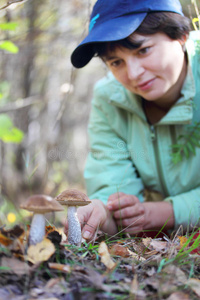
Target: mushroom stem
x=74 y=227
x=37 y=230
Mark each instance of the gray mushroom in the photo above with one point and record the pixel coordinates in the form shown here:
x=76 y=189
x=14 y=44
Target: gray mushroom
x=39 y=205
x=73 y=198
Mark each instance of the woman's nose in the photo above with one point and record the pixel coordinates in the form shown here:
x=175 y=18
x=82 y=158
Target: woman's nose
x=134 y=69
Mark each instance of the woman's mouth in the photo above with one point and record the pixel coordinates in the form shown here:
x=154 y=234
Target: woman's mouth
x=146 y=85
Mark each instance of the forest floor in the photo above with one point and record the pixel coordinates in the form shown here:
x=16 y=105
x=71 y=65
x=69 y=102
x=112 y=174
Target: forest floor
x=119 y=267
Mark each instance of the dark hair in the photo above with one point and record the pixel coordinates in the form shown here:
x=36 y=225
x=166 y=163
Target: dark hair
x=172 y=24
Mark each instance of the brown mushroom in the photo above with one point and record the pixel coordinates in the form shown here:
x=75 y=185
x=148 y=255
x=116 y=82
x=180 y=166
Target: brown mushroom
x=73 y=198
x=39 y=205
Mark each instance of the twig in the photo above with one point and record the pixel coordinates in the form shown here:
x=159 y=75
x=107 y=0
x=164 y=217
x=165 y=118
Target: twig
x=19 y=104
x=10 y=3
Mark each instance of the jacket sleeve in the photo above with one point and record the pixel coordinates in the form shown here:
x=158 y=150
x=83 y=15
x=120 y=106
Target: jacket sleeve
x=186 y=209
x=109 y=168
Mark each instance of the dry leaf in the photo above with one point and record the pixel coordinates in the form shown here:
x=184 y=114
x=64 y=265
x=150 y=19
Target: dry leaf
x=134 y=285
x=119 y=250
x=105 y=256
x=158 y=245
x=93 y=277
x=16 y=266
x=60 y=267
x=135 y=291
x=135 y=256
x=63 y=235
x=194 y=284
x=147 y=242
x=41 y=251
x=178 y=274
x=52 y=282
x=14 y=232
x=5 y=240
x=12 y=237
x=178 y=296
x=49 y=229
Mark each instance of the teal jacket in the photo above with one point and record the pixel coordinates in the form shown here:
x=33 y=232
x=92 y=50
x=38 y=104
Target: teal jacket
x=127 y=154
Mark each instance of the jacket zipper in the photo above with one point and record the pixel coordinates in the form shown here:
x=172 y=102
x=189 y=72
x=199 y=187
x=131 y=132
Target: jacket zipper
x=157 y=159
x=153 y=134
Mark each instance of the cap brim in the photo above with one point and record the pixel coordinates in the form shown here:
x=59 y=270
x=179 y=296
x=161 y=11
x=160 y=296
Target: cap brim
x=112 y=30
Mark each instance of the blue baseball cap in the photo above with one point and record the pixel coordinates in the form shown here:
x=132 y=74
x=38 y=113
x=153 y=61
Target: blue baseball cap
x=113 y=20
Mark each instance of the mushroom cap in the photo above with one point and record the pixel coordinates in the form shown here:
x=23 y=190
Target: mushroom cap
x=41 y=204
x=73 y=197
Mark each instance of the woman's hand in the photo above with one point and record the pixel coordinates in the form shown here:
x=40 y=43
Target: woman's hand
x=134 y=216
x=128 y=212
x=93 y=217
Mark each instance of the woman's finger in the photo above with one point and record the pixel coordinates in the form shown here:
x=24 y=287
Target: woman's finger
x=122 y=201
x=129 y=212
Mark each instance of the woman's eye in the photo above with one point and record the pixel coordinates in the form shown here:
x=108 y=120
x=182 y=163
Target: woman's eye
x=144 y=50
x=115 y=63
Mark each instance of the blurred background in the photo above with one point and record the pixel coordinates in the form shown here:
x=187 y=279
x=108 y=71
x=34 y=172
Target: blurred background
x=44 y=101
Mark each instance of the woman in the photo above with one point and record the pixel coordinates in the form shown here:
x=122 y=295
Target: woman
x=148 y=100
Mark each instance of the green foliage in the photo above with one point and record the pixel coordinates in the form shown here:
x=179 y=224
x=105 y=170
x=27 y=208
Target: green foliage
x=4 y=92
x=6 y=44
x=9 y=46
x=187 y=143
x=9 y=133
x=8 y=26
x=183 y=256
x=186 y=148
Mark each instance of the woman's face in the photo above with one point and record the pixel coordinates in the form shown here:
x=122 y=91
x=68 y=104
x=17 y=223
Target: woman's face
x=155 y=71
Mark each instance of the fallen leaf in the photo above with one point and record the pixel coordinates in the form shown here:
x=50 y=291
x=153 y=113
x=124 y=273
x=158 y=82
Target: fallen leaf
x=135 y=291
x=134 y=285
x=119 y=250
x=52 y=282
x=49 y=229
x=158 y=245
x=182 y=240
x=41 y=251
x=178 y=296
x=105 y=256
x=178 y=274
x=12 y=238
x=60 y=267
x=147 y=241
x=14 y=232
x=93 y=277
x=135 y=256
x=15 y=266
x=63 y=235
x=5 y=240
x=194 y=284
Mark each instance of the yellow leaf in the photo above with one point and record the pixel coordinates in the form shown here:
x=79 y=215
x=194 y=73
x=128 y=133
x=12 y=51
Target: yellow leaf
x=41 y=251
x=105 y=256
x=182 y=240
